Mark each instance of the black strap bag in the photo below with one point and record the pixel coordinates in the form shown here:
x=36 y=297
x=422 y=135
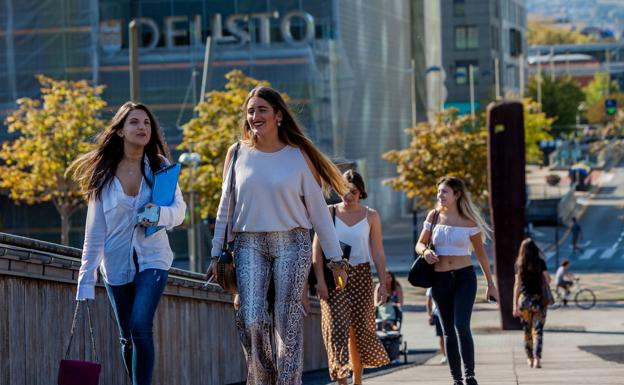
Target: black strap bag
x=421 y=273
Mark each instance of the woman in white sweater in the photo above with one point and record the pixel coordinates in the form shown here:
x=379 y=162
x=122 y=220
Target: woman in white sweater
x=116 y=178
x=277 y=198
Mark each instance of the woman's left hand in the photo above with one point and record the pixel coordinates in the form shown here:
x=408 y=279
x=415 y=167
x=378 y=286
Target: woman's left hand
x=492 y=291
x=145 y=222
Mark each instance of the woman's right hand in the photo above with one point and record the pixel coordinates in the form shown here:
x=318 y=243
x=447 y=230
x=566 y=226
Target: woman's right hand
x=516 y=312
x=212 y=271
x=430 y=257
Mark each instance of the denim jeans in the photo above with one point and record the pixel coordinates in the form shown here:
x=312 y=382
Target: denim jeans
x=454 y=292
x=134 y=305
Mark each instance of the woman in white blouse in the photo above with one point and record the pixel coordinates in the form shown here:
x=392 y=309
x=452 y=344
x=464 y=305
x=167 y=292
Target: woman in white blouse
x=458 y=228
x=277 y=198
x=116 y=178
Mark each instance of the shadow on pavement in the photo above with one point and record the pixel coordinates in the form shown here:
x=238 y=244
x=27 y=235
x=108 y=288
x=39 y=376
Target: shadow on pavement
x=614 y=353
x=414 y=357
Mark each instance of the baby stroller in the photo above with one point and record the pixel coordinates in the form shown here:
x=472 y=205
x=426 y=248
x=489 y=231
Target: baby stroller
x=391 y=337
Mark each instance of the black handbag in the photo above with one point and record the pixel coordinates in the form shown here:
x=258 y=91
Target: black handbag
x=421 y=273
x=226 y=269
x=327 y=273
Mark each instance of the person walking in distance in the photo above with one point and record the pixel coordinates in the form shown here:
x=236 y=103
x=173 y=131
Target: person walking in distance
x=528 y=301
x=434 y=320
x=278 y=179
x=577 y=233
x=117 y=178
x=459 y=228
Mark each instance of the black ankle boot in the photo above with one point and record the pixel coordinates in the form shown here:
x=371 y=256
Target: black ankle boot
x=471 y=381
x=458 y=382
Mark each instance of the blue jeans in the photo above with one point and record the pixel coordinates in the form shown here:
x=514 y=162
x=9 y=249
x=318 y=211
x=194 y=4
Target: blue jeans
x=454 y=292
x=134 y=305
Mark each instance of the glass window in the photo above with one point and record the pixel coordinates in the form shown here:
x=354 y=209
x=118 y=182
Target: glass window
x=462 y=72
x=459 y=7
x=460 y=38
x=466 y=37
x=473 y=38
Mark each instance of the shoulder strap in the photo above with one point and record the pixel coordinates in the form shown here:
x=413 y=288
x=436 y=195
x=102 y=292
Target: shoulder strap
x=434 y=222
x=230 y=188
x=436 y=215
x=334 y=214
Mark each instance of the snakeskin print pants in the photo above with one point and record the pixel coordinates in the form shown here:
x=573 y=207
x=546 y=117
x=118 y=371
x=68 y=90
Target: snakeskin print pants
x=284 y=257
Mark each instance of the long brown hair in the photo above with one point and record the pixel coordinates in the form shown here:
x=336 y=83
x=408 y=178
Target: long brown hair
x=95 y=169
x=529 y=258
x=291 y=133
x=465 y=206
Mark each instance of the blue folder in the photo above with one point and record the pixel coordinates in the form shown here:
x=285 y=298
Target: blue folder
x=163 y=190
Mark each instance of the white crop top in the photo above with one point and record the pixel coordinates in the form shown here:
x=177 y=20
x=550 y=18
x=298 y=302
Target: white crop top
x=451 y=240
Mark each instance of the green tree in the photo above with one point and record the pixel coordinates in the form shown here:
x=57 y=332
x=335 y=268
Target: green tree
x=544 y=34
x=561 y=98
x=51 y=132
x=211 y=133
x=596 y=113
x=537 y=127
x=448 y=146
x=598 y=88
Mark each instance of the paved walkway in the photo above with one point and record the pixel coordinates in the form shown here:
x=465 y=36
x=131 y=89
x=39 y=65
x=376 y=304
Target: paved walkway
x=500 y=356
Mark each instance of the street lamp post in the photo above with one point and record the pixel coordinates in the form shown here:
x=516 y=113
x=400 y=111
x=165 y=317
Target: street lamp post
x=191 y=160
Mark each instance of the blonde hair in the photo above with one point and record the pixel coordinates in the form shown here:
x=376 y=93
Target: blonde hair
x=290 y=132
x=465 y=206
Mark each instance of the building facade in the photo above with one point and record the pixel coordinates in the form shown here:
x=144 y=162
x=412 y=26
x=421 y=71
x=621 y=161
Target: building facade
x=345 y=64
x=481 y=33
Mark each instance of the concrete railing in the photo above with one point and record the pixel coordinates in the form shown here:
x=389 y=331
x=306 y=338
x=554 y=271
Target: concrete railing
x=195 y=336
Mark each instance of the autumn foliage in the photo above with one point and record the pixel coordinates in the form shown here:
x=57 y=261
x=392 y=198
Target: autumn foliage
x=211 y=133
x=50 y=132
x=452 y=145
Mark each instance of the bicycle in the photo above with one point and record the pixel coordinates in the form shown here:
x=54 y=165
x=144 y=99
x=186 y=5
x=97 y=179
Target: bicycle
x=584 y=298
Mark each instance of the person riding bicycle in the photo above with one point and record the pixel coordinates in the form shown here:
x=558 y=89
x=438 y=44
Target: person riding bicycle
x=564 y=280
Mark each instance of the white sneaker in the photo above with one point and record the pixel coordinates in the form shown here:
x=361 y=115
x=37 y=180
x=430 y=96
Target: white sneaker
x=444 y=360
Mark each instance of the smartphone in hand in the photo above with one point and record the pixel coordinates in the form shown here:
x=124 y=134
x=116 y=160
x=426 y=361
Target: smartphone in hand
x=150 y=214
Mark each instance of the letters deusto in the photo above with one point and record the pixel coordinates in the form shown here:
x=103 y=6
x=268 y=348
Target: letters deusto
x=236 y=25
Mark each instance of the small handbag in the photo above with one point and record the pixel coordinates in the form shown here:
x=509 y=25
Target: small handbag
x=547 y=296
x=226 y=269
x=327 y=273
x=75 y=372
x=346 y=253
x=421 y=273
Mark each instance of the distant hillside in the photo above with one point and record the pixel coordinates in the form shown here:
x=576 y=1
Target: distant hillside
x=604 y=19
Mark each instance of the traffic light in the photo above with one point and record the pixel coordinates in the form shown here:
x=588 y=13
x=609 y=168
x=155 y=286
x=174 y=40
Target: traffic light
x=610 y=106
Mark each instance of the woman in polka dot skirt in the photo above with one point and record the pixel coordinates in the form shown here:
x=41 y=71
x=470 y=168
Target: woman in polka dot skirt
x=348 y=312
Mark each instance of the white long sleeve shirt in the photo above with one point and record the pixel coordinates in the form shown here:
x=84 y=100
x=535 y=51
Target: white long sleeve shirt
x=274 y=192
x=111 y=235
